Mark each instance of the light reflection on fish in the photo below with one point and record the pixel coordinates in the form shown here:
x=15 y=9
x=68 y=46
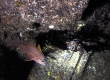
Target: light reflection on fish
x=31 y=52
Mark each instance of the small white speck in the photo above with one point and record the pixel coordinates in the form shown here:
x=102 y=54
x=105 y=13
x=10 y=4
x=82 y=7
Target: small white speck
x=43 y=6
x=20 y=34
x=79 y=25
x=28 y=28
x=61 y=20
x=51 y=26
x=94 y=68
x=34 y=2
x=35 y=13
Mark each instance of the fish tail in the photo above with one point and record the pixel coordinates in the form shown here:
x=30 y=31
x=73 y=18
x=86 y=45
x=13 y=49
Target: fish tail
x=16 y=42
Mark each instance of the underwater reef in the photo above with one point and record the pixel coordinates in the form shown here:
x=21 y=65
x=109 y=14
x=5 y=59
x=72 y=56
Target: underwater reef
x=54 y=40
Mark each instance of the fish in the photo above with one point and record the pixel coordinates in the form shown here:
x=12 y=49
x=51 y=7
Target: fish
x=30 y=52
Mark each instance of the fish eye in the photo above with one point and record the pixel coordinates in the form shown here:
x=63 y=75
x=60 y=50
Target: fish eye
x=42 y=60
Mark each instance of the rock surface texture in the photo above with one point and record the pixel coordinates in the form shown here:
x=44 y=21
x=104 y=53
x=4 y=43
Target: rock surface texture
x=73 y=35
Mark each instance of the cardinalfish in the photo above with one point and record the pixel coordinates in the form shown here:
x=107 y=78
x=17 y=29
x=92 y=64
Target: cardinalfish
x=30 y=52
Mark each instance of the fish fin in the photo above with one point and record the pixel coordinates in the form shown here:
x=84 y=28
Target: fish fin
x=32 y=42
x=16 y=42
x=39 y=48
